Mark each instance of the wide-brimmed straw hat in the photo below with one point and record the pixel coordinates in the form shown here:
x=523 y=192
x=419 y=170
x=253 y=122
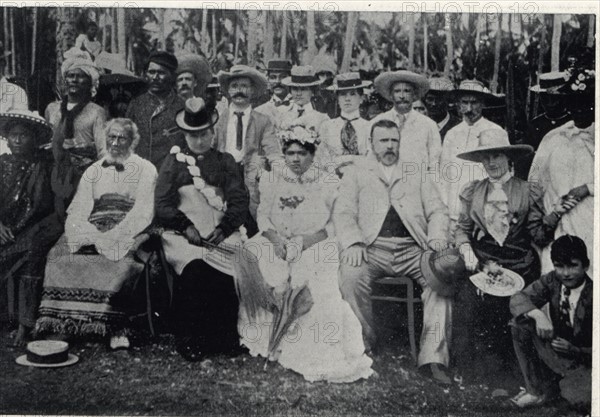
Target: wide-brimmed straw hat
x=47 y=354
x=42 y=130
x=237 y=71
x=385 y=81
x=474 y=87
x=196 y=116
x=302 y=76
x=495 y=141
x=442 y=269
x=550 y=82
x=348 y=81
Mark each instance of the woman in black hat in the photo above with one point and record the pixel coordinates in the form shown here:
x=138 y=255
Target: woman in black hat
x=28 y=228
x=202 y=202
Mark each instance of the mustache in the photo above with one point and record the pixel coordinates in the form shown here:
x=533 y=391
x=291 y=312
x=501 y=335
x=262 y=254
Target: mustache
x=241 y=95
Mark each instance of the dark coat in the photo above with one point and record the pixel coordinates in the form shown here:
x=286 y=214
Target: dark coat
x=158 y=133
x=547 y=289
x=454 y=120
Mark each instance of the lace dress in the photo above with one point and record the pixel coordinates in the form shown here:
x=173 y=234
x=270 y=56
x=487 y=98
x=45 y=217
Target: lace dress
x=326 y=343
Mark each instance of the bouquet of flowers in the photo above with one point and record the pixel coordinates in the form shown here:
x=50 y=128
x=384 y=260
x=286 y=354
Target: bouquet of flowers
x=579 y=79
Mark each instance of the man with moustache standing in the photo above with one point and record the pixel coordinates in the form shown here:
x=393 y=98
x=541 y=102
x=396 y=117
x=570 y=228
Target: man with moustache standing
x=193 y=75
x=249 y=136
x=154 y=111
x=421 y=144
x=455 y=173
x=277 y=70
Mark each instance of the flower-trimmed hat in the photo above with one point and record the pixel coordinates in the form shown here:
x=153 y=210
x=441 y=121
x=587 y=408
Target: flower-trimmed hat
x=579 y=81
x=237 y=71
x=440 y=85
x=196 y=115
x=385 y=81
x=301 y=134
x=42 y=130
x=495 y=141
x=348 y=81
x=302 y=76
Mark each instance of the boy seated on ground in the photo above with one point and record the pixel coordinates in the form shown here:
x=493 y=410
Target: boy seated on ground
x=554 y=353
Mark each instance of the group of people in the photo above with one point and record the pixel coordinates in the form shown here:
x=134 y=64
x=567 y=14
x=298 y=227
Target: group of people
x=277 y=219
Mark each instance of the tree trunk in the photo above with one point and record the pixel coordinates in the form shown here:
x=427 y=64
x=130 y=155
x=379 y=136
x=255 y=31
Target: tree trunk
x=252 y=36
x=104 y=28
x=510 y=100
x=213 y=33
x=310 y=35
x=6 y=35
x=555 y=51
x=284 y=30
x=591 y=31
x=494 y=83
x=12 y=43
x=349 y=41
x=268 y=36
x=425 y=44
x=34 y=38
x=204 y=32
x=122 y=39
x=113 y=33
x=236 y=36
x=449 y=47
x=411 y=41
x=540 y=66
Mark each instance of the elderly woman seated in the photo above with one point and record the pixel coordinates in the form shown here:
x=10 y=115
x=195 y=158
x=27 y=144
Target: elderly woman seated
x=28 y=228
x=86 y=284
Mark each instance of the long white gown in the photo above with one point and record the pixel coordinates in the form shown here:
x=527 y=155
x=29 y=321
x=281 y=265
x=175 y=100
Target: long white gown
x=326 y=343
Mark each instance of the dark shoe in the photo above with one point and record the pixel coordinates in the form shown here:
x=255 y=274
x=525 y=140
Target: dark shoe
x=437 y=372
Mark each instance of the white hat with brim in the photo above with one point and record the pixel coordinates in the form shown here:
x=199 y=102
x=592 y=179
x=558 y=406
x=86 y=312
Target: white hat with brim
x=302 y=76
x=495 y=141
x=348 y=81
x=47 y=354
x=196 y=116
x=43 y=130
x=506 y=284
x=385 y=81
x=473 y=87
x=237 y=71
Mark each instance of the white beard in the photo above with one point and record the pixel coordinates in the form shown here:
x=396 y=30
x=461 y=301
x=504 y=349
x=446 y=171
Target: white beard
x=117 y=159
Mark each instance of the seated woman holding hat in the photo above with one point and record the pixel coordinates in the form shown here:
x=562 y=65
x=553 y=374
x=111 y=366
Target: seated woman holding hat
x=28 y=226
x=501 y=216
x=347 y=136
x=203 y=204
x=297 y=259
x=89 y=281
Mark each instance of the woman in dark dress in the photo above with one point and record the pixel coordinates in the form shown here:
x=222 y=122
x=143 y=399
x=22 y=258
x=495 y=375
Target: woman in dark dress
x=202 y=203
x=501 y=216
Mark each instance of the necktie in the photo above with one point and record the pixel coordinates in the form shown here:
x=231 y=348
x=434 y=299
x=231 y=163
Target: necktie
x=564 y=328
x=349 y=139
x=118 y=167
x=239 y=131
x=282 y=103
x=300 y=111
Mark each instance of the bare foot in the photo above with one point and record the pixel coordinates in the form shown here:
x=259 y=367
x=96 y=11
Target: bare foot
x=21 y=335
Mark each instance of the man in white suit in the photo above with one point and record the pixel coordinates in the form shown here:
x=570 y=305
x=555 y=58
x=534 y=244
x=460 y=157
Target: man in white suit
x=385 y=219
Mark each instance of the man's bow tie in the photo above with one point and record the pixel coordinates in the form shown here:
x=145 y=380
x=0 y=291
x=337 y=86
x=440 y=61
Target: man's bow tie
x=118 y=167
x=282 y=103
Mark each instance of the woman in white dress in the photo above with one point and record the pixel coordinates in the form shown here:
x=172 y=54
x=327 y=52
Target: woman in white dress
x=297 y=248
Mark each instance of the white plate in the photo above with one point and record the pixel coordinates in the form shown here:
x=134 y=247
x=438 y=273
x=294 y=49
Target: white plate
x=509 y=283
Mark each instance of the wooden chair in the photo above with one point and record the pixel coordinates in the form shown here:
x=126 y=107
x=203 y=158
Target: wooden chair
x=410 y=299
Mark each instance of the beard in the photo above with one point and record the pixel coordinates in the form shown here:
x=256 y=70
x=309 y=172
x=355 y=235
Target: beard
x=120 y=159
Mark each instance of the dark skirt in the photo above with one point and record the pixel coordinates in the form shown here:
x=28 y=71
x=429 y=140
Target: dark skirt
x=481 y=320
x=205 y=308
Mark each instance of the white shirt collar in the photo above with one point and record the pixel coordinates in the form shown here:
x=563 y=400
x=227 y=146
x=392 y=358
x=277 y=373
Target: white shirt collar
x=444 y=121
x=307 y=107
x=351 y=116
x=233 y=109
x=503 y=179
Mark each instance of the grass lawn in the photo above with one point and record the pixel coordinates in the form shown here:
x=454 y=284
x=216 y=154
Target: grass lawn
x=152 y=379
